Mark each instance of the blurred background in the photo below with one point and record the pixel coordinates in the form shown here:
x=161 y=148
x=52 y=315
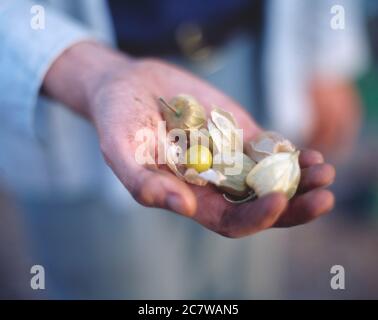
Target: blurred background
x=298 y=72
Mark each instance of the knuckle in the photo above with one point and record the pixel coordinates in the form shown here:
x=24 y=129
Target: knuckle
x=227 y=233
x=140 y=196
x=142 y=192
x=137 y=195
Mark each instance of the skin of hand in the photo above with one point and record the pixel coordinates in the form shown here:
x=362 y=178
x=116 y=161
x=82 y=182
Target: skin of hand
x=119 y=96
x=337 y=117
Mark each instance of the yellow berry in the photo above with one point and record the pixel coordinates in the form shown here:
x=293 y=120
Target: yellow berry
x=199 y=158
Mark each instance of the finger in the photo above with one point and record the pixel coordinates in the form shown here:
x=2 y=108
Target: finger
x=150 y=186
x=251 y=217
x=320 y=175
x=308 y=158
x=160 y=189
x=306 y=207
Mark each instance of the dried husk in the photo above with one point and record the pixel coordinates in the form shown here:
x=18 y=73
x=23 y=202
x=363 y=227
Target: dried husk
x=193 y=177
x=202 y=137
x=213 y=176
x=279 y=172
x=234 y=184
x=226 y=137
x=227 y=140
x=268 y=143
x=216 y=137
x=188 y=114
x=172 y=157
x=228 y=115
x=189 y=175
x=277 y=167
x=231 y=184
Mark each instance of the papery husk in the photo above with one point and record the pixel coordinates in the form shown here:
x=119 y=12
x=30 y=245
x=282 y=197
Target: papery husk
x=216 y=137
x=193 y=177
x=231 y=184
x=223 y=131
x=202 y=137
x=228 y=115
x=172 y=158
x=222 y=128
x=279 y=172
x=213 y=176
x=268 y=143
x=189 y=113
x=186 y=174
x=234 y=184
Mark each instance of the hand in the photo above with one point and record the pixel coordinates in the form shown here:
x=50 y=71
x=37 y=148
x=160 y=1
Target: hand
x=337 y=114
x=121 y=99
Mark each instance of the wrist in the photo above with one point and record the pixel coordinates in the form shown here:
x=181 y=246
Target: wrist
x=76 y=76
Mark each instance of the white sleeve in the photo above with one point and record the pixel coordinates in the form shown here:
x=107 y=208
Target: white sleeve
x=26 y=54
x=340 y=52
x=301 y=44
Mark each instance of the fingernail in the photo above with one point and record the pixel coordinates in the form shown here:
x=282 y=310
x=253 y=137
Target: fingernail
x=175 y=203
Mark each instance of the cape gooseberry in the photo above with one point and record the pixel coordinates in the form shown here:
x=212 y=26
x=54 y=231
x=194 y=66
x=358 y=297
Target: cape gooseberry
x=199 y=157
x=183 y=112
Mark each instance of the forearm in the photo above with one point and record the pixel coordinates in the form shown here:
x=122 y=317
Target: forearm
x=79 y=72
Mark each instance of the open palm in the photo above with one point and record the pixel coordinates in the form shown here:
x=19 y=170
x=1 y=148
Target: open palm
x=127 y=102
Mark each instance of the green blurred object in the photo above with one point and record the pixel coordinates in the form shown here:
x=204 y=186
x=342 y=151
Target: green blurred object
x=367 y=85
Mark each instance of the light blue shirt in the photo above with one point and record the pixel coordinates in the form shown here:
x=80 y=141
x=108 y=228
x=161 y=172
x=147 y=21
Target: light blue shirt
x=26 y=53
x=44 y=149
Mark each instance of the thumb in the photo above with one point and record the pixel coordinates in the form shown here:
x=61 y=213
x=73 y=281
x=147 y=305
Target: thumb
x=161 y=189
x=151 y=186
